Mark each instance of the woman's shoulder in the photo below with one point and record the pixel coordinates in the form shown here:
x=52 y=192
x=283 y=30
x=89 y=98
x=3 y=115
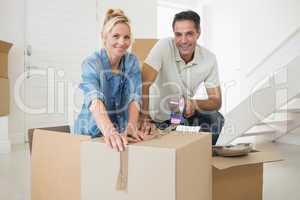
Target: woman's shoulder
x=94 y=61
x=93 y=58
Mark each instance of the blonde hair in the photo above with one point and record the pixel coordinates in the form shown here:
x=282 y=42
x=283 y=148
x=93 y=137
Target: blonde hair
x=112 y=18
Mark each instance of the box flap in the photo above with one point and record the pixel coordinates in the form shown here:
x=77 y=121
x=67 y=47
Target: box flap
x=142 y=47
x=252 y=158
x=55 y=165
x=5 y=46
x=170 y=140
x=63 y=129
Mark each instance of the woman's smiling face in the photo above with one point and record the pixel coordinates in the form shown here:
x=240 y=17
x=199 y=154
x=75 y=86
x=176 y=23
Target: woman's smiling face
x=118 y=40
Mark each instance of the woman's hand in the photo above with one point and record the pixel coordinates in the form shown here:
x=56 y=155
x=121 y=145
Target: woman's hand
x=115 y=140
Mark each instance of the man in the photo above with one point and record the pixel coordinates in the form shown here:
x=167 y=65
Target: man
x=177 y=66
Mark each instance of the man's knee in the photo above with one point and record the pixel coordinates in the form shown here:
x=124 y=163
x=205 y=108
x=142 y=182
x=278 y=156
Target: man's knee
x=211 y=121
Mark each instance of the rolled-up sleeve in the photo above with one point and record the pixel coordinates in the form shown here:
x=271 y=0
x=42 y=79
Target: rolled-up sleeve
x=213 y=80
x=91 y=83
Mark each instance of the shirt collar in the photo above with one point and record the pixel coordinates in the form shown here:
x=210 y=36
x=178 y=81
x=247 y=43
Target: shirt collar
x=107 y=66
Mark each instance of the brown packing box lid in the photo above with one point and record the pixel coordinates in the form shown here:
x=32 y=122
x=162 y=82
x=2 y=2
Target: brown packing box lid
x=266 y=153
x=142 y=47
x=55 y=129
x=5 y=46
x=4 y=49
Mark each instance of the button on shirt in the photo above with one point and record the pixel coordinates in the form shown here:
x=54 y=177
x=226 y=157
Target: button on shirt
x=175 y=77
x=116 y=91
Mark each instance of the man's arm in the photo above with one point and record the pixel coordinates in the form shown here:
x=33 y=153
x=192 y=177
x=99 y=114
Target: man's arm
x=213 y=103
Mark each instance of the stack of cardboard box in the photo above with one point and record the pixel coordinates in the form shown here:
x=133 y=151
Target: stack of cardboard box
x=4 y=81
x=171 y=167
x=177 y=166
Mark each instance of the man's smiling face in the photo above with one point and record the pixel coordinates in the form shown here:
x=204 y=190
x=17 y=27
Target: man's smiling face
x=186 y=36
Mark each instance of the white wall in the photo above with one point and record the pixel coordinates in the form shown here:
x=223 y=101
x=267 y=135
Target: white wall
x=241 y=34
x=166 y=9
x=165 y=14
x=141 y=13
x=12 y=30
x=221 y=33
x=265 y=24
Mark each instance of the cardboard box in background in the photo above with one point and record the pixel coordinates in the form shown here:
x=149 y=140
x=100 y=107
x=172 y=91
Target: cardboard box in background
x=172 y=167
x=239 y=178
x=4 y=97
x=142 y=47
x=4 y=49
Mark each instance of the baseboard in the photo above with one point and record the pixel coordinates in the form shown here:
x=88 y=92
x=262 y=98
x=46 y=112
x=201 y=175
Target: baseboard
x=5 y=147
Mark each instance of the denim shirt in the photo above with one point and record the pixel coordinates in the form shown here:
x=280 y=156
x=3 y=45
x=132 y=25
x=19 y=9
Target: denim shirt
x=115 y=91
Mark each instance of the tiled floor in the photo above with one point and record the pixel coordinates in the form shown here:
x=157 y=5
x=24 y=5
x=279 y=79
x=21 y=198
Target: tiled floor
x=281 y=180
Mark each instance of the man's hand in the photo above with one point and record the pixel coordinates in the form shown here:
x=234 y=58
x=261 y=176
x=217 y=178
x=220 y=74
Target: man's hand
x=189 y=108
x=132 y=134
x=145 y=125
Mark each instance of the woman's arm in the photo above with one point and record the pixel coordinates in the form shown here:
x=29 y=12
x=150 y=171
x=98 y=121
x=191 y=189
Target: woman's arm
x=111 y=136
x=135 y=85
x=94 y=98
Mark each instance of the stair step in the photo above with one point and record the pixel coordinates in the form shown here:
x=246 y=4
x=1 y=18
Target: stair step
x=277 y=118
x=259 y=130
x=292 y=106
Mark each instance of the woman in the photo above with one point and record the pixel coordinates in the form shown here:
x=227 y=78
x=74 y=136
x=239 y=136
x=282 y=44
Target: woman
x=111 y=83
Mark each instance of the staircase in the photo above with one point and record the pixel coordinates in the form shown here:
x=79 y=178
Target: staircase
x=272 y=109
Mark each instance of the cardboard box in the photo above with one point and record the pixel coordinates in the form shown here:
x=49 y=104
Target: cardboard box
x=172 y=167
x=232 y=178
x=57 y=129
x=4 y=49
x=241 y=177
x=55 y=163
x=4 y=97
x=142 y=47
